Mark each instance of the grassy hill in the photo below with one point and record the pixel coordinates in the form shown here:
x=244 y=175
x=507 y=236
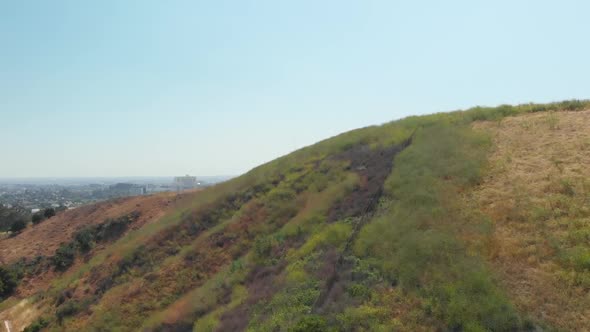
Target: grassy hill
x=472 y=220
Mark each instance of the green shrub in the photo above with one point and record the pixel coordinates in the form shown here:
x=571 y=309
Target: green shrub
x=8 y=282
x=37 y=218
x=85 y=239
x=578 y=258
x=48 y=213
x=64 y=256
x=37 y=325
x=8 y=216
x=358 y=291
x=18 y=225
x=281 y=204
x=112 y=229
x=263 y=248
x=311 y=323
x=67 y=309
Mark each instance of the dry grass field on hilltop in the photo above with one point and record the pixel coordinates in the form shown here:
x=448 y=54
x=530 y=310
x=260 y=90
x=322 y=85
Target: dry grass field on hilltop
x=537 y=193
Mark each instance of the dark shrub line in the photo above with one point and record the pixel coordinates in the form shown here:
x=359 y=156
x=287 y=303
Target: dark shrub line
x=45 y=214
x=166 y=243
x=85 y=239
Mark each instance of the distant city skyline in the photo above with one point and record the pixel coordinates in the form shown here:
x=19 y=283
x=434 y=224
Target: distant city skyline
x=105 y=179
x=150 y=88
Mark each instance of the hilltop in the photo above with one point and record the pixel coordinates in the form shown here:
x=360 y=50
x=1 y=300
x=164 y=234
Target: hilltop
x=466 y=221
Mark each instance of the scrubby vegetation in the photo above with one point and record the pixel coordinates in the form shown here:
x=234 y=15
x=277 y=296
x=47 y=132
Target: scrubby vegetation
x=65 y=255
x=37 y=325
x=18 y=226
x=371 y=230
x=12 y=219
x=85 y=239
x=43 y=215
x=416 y=243
x=8 y=282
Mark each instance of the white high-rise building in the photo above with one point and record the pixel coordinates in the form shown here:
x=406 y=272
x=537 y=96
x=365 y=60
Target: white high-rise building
x=185 y=182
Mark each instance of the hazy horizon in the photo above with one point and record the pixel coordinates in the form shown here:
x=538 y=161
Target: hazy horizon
x=105 y=179
x=116 y=89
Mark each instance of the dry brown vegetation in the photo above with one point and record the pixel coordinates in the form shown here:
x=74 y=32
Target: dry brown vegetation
x=43 y=239
x=537 y=193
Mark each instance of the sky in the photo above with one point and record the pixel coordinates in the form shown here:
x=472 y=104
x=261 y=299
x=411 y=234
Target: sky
x=160 y=88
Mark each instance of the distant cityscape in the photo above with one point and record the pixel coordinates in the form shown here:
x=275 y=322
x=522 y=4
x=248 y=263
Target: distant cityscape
x=33 y=194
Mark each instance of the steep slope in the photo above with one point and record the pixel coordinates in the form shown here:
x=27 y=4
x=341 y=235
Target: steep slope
x=45 y=238
x=382 y=228
x=31 y=254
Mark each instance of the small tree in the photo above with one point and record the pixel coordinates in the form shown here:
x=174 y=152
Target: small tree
x=18 y=225
x=8 y=282
x=48 y=213
x=37 y=218
x=64 y=256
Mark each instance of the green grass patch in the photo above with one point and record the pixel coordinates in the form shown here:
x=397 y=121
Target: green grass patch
x=415 y=242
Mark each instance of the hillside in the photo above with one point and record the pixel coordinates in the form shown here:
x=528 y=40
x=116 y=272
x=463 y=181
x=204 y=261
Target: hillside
x=473 y=220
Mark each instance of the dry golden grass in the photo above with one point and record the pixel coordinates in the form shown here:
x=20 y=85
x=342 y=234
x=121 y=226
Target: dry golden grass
x=20 y=315
x=537 y=193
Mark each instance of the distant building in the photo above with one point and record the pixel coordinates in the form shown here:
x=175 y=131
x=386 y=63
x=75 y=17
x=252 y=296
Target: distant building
x=126 y=189
x=185 y=182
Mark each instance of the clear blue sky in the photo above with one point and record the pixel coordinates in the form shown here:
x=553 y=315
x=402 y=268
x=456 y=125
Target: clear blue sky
x=117 y=88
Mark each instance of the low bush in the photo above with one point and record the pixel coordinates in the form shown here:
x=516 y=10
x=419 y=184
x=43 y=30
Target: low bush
x=67 y=309
x=8 y=282
x=8 y=216
x=49 y=212
x=37 y=325
x=37 y=218
x=64 y=256
x=85 y=239
x=311 y=323
x=18 y=226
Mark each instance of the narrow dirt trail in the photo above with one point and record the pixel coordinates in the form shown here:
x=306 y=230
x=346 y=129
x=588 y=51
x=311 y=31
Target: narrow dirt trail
x=7 y=325
x=369 y=167
x=20 y=315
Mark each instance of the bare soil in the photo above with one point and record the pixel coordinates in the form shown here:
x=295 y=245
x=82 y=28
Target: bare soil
x=373 y=166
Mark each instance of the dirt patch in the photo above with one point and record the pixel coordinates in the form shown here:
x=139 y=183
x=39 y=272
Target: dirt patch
x=261 y=287
x=373 y=166
x=20 y=315
x=536 y=191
